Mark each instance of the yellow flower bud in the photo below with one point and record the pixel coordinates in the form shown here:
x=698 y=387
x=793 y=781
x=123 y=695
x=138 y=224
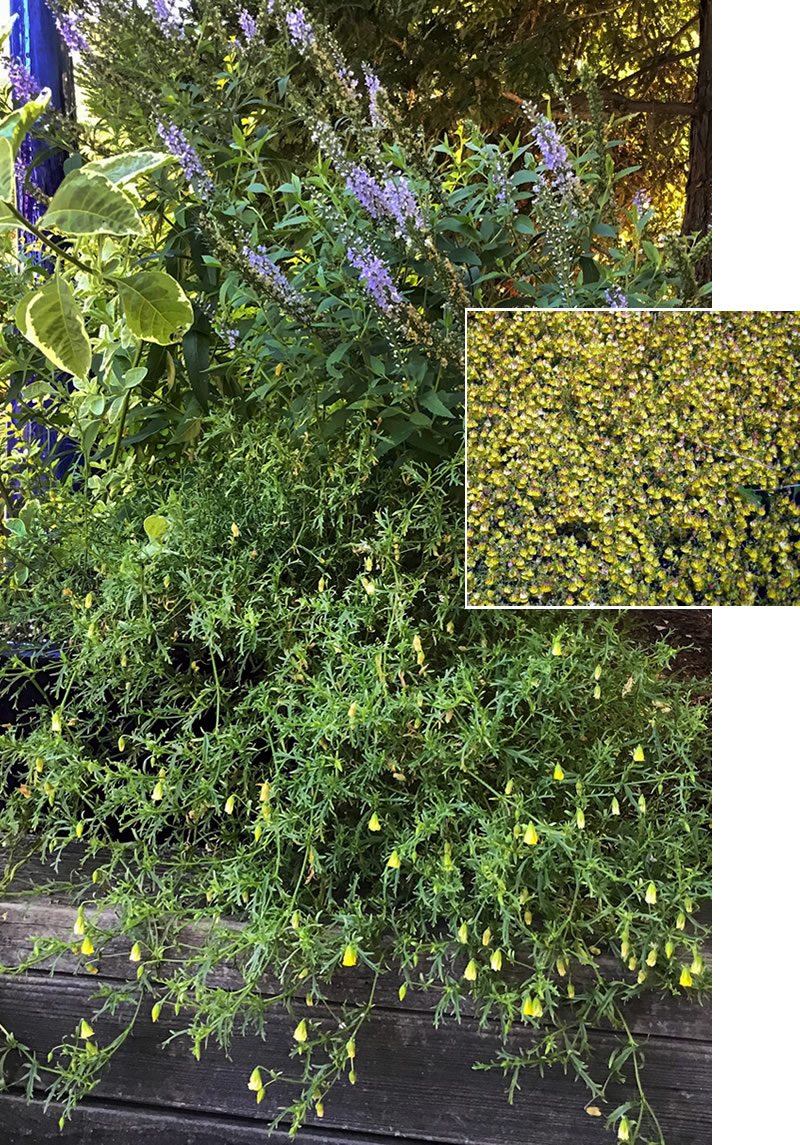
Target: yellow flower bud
x=158 y=792
x=301 y=1032
x=374 y=823
x=509 y=786
x=393 y=861
x=597 y=691
x=351 y=711
x=624 y=1130
x=321 y=584
x=351 y=1049
x=462 y=932
x=496 y=961
x=556 y=649
x=369 y=587
x=86 y=946
x=642 y=976
x=39 y=764
x=615 y=806
x=79 y=927
x=350 y=956
x=580 y=818
x=229 y=804
x=255 y=1083
x=638 y=754
x=295 y=920
x=88 y=600
x=535 y=1008
x=697 y=964
x=471 y=971
x=561 y=967
x=401 y=993
x=570 y=991
x=136 y=953
x=121 y=743
x=257 y=830
x=156 y=1010
x=234 y=529
x=530 y=837
x=417 y=644
x=319 y=1109
x=91 y=1050
x=652 y=957
x=78 y=830
x=686 y=978
x=263 y=793
x=528 y=918
x=680 y=921
x=55 y=721
x=86 y=1029
x=558 y=772
x=668 y=948
x=598 y=672
x=651 y=894
x=486 y=937
x=642 y=804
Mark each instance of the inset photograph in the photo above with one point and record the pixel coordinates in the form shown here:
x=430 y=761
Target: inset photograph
x=634 y=457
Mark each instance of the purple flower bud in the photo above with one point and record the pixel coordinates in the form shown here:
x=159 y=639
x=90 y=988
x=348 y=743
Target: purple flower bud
x=615 y=298
x=374 y=89
x=300 y=31
x=642 y=201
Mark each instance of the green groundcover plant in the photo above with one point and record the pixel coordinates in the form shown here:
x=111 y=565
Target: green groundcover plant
x=272 y=718
x=633 y=458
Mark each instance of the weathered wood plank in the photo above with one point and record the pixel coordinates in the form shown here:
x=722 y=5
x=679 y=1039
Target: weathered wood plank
x=414 y=1081
x=19 y=920
x=101 y=1123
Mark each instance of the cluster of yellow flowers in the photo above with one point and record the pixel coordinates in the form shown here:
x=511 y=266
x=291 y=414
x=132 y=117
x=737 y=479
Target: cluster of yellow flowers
x=633 y=457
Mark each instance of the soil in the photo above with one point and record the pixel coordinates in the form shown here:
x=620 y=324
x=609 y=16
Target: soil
x=688 y=629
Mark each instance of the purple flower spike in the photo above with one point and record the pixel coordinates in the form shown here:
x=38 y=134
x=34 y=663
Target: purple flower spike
x=23 y=85
x=70 y=32
x=374 y=276
x=169 y=19
x=300 y=31
x=248 y=25
x=178 y=145
x=642 y=201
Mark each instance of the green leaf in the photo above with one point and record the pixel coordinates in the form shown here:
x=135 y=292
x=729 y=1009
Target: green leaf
x=156 y=527
x=129 y=165
x=88 y=203
x=523 y=225
x=18 y=123
x=434 y=404
x=49 y=318
x=197 y=356
x=155 y=307
x=7 y=186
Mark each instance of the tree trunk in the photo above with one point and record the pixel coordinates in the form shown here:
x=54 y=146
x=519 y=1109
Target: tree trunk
x=697 y=216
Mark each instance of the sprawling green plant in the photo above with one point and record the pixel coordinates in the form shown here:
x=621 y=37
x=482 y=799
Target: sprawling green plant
x=485 y=805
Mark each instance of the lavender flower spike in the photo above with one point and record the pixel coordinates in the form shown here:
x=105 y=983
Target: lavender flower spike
x=373 y=85
x=178 y=145
x=300 y=31
x=70 y=32
x=375 y=278
x=248 y=25
x=169 y=18
x=23 y=85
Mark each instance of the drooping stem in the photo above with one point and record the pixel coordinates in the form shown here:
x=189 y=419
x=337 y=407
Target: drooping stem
x=42 y=237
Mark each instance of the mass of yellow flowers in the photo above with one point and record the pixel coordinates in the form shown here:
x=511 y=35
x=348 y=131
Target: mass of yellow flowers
x=633 y=457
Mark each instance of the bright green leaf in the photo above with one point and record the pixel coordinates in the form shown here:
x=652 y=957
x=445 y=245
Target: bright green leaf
x=7 y=186
x=156 y=527
x=88 y=203
x=156 y=308
x=50 y=318
x=122 y=168
x=18 y=123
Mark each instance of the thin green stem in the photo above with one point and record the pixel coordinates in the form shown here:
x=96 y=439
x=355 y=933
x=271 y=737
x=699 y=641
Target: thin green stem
x=123 y=413
x=42 y=237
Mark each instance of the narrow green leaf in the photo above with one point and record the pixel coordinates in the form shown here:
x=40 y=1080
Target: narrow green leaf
x=7 y=186
x=50 y=318
x=155 y=306
x=88 y=203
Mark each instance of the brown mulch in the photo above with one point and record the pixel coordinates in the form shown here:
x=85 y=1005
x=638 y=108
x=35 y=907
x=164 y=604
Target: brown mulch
x=686 y=628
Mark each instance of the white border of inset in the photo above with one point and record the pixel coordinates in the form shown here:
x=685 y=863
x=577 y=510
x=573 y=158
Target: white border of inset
x=582 y=310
